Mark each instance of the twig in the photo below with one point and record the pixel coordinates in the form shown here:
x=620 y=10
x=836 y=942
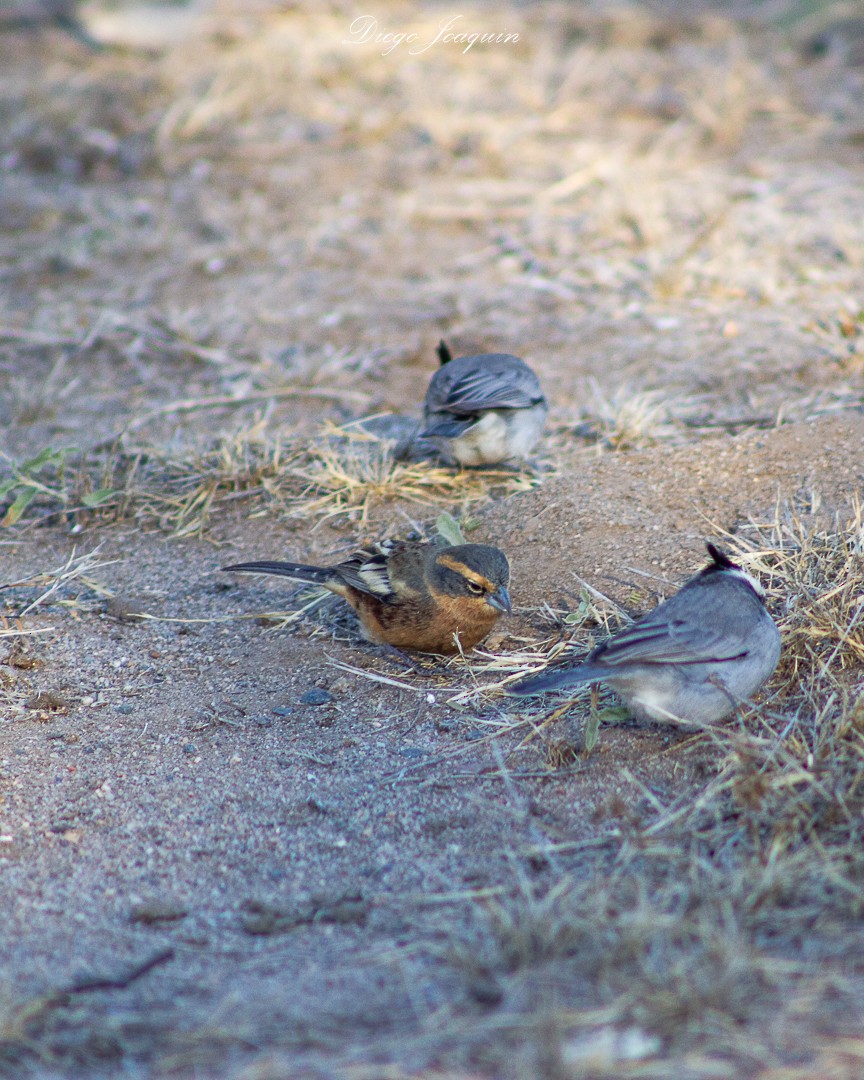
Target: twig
x=377 y=678
x=194 y=404
x=83 y=986
x=602 y=596
x=456 y=896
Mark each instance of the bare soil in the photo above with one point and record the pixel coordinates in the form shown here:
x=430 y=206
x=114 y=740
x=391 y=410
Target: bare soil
x=209 y=871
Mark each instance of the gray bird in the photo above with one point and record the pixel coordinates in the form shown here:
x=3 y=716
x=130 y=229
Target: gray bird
x=481 y=410
x=692 y=659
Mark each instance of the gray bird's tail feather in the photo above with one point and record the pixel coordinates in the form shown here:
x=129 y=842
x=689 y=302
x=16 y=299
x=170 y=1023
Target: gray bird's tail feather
x=297 y=571
x=555 y=680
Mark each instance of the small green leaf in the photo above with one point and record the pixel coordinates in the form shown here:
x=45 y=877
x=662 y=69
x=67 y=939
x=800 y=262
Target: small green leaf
x=22 y=500
x=96 y=498
x=48 y=456
x=578 y=616
x=614 y=714
x=8 y=485
x=448 y=527
x=582 y=612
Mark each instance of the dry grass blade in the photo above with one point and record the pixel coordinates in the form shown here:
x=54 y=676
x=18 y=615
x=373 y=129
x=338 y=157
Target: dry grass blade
x=75 y=567
x=373 y=676
x=5 y=632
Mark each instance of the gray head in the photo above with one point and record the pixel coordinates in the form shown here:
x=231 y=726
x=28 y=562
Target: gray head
x=722 y=564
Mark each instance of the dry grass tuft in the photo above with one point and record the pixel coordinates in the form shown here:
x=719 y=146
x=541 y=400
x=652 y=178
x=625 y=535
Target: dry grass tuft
x=349 y=471
x=800 y=775
x=628 y=419
x=181 y=493
x=344 y=472
x=817 y=582
x=69 y=586
x=595 y=617
x=50 y=583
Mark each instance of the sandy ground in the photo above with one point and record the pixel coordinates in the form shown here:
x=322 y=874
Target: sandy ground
x=234 y=225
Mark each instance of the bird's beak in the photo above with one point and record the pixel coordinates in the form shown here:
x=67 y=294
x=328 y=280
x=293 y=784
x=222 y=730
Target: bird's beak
x=500 y=599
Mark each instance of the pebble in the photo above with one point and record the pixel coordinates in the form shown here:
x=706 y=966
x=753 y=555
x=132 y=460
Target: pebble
x=316 y=696
x=157 y=911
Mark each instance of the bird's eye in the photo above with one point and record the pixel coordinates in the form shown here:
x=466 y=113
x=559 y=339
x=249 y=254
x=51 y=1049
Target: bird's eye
x=474 y=588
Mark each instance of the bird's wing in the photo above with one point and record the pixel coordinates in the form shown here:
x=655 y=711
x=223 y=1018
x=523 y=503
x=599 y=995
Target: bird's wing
x=368 y=571
x=663 y=640
x=483 y=389
x=394 y=568
x=448 y=429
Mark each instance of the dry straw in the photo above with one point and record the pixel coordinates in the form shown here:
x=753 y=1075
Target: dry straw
x=342 y=473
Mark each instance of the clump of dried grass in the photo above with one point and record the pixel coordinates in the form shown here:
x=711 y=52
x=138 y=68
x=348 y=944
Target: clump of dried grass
x=349 y=471
x=629 y=419
x=69 y=586
x=343 y=472
x=54 y=585
x=181 y=493
x=800 y=774
x=577 y=631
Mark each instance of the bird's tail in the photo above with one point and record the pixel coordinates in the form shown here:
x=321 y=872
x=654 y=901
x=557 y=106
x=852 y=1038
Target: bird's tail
x=555 y=679
x=321 y=575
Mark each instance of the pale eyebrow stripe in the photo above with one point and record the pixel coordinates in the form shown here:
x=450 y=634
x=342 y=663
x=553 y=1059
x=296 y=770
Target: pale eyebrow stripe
x=463 y=570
